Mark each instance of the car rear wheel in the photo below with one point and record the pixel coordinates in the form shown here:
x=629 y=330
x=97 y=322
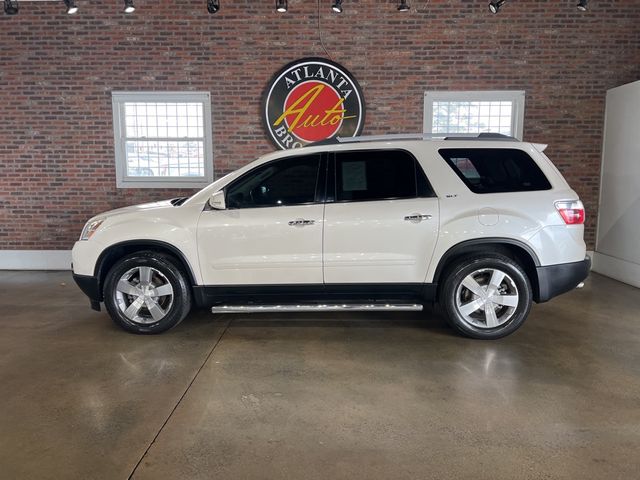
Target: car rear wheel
x=146 y=292
x=486 y=297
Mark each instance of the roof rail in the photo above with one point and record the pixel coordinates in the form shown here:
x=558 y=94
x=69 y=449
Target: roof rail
x=425 y=136
x=484 y=136
x=390 y=136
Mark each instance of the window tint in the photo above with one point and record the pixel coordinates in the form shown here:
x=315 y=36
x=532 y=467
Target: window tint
x=377 y=175
x=422 y=184
x=496 y=170
x=291 y=181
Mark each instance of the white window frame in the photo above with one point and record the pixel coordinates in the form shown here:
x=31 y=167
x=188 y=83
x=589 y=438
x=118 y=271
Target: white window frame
x=118 y=100
x=515 y=96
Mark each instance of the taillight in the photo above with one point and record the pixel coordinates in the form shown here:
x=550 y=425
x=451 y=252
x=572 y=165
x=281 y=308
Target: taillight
x=572 y=212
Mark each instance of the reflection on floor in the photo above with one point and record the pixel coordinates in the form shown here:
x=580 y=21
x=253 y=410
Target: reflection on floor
x=306 y=396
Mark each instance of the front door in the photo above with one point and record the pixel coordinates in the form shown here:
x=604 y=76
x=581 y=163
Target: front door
x=382 y=224
x=271 y=230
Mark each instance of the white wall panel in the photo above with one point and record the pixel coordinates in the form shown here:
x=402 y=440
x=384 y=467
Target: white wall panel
x=618 y=238
x=35 y=259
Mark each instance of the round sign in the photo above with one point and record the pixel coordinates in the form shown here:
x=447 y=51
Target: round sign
x=312 y=100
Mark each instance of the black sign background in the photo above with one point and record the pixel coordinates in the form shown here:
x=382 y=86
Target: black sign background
x=326 y=117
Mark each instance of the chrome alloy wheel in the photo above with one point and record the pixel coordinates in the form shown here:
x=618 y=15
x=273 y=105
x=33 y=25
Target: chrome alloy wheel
x=487 y=298
x=144 y=295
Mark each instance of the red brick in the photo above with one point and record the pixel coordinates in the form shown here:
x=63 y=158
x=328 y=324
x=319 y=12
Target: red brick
x=57 y=72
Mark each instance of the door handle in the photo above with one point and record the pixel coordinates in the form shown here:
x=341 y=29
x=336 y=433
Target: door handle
x=301 y=222
x=417 y=217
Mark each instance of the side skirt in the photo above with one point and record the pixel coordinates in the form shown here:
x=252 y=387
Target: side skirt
x=211 y=295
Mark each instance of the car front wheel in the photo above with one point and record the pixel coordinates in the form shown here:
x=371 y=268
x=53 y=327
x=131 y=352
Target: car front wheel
x=146 y=292
x=486 y=297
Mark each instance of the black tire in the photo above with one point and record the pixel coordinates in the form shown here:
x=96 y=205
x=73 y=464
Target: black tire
x=164 y=270
x=514 y=288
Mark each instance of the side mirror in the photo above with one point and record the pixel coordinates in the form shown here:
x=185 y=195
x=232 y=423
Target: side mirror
x=216 y=201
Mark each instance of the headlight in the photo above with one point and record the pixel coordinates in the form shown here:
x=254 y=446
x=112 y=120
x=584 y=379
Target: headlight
x=90 y=228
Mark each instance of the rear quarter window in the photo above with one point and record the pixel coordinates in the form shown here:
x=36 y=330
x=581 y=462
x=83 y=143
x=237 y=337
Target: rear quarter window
x=495 y=170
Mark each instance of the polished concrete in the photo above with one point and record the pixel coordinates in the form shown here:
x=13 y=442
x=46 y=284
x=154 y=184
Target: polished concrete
x=311 y=396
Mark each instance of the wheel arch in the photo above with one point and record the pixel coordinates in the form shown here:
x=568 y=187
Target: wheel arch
x=110 y=255
x=515 y=249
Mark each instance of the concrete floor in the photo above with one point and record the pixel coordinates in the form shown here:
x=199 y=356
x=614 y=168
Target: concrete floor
x=388 y=396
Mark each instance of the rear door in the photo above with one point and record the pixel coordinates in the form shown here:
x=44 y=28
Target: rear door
x=381 y=218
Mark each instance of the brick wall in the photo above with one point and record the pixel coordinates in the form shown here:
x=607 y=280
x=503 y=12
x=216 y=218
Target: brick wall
x=57 y=72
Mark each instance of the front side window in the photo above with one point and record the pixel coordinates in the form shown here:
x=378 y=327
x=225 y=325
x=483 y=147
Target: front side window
x=495 y=170
x=378 y=175
x=291 y=181
x=162 y=139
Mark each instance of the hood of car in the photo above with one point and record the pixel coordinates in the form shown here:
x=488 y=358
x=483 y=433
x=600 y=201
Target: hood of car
x=136 y=208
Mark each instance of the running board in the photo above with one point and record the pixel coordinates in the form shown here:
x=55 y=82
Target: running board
x=324 y=307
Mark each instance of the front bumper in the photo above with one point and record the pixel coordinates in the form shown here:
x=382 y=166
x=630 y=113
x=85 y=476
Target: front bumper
x=91 y=288
x=554 y=280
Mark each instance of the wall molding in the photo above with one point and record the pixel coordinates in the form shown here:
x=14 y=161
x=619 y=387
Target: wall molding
x=35 y=259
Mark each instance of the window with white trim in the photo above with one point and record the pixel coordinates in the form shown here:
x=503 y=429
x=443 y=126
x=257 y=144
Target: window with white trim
x=162 y=139
x=474 y=112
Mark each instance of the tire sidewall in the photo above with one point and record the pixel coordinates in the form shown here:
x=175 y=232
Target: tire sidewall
x=181 y=293
x=499 y=262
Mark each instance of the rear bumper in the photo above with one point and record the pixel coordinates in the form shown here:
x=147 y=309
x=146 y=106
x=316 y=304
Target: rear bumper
x=90 y=287
x=554 y=280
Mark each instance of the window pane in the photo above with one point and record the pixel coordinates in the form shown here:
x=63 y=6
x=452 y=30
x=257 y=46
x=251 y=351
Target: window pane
x=163 y=120
x=422 y=184
x=162 y=139
x=472 y=116
x=495 y=170
x=369 y=175
x=160 y=158
x=291 y=181
x=153 y=148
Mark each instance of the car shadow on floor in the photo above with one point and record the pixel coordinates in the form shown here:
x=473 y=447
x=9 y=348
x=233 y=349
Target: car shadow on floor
x=430 y=319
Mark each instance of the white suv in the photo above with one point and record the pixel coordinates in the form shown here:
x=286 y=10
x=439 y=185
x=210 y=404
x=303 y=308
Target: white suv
x=483 y=225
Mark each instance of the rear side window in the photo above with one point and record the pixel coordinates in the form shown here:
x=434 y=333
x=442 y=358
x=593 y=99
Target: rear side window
x=496 y=170
x=367 y=175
